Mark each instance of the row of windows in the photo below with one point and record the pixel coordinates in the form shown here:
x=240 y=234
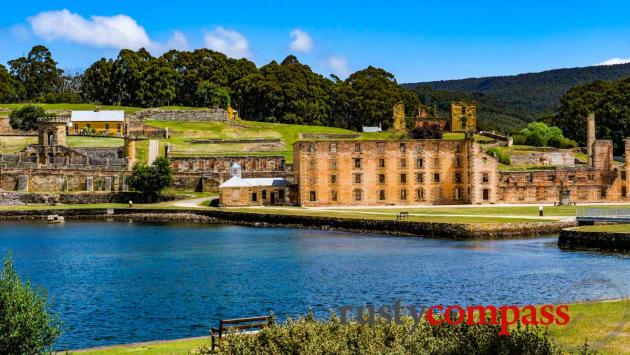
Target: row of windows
x=358 y=178
x=419 y=195
x=358 y=163
x=380 y=147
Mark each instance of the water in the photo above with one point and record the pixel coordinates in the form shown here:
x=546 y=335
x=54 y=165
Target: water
x=127 y=282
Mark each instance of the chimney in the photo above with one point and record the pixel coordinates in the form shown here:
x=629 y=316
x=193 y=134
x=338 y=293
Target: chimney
x=590 y=137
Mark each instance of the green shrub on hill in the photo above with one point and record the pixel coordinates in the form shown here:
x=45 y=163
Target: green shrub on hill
x=25 y=118
x=503 y=156
x=538 y=134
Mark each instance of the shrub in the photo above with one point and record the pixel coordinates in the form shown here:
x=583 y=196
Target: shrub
x=25 y=118
x=26 y=326
x=431 y=131
x=150 y=180
x=309 y=336
x=568 y=144
x=501 y=155
x=538 y=134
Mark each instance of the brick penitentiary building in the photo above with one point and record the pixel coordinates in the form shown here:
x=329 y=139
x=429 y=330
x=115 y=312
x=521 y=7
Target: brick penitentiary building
x=393 y=172
x=433 y=171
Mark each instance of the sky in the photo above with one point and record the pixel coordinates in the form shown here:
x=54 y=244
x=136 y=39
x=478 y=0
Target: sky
x=414 y=40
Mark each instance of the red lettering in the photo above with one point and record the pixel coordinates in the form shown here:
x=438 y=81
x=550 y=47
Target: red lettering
x=460 y=315
x=563 y=316
x=547 y=316
x=430 y=314
x=483 y=311
x=530 y=318
x=505 y=322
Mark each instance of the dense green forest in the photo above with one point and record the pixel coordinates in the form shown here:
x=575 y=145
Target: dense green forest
x=508 y=103
x=290 y=92
x=287 y=92
x=609 y=101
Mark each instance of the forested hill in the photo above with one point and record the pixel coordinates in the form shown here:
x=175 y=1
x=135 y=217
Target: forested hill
x=531 y=95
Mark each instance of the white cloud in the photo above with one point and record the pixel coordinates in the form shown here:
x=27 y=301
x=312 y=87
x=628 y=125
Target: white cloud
x=120 y=31
x=339 y=65
x=229 y=42
x=302 y=41
x=177 y=41
x=614 y=61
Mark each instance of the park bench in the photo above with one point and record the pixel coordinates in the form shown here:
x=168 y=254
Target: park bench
x=247 y=325
x=402 y=216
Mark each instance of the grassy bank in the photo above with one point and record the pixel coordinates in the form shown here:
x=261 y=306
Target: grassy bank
x=605 y=324
x=605 y=228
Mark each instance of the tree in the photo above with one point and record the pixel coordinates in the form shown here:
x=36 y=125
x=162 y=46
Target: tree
x=149 y=181
x=538 y=134
x=210 y=95
x=26 y=325
x=374 y=93
x=25 y=118
x=289 y=92
x=96 y=82
x=10 y=89
x=38 y=72
x=609 y=101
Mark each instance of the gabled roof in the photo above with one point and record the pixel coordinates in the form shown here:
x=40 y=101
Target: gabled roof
x=236 y=181
x=97 y=116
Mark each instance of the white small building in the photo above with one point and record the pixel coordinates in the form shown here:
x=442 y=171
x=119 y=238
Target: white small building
x=372 y=129
x=239 y=191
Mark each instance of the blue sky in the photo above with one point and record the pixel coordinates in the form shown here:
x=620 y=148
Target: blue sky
x=415 y=40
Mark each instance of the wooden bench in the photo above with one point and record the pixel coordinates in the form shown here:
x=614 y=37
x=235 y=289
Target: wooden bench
x=238 y=324
x=402 y=216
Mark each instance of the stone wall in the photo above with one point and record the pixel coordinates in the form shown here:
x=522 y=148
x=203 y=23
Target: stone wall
x=213 y=114
x=5 y=126
x=424 y=229
x=556 y=158
x=57 y=180
x=22 y=198
x=223 y=163
x=576 y=239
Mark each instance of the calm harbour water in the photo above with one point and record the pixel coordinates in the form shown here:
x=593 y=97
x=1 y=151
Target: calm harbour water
x=127 y=282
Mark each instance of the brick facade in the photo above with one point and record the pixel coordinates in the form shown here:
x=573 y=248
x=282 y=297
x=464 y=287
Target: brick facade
x=393 y=172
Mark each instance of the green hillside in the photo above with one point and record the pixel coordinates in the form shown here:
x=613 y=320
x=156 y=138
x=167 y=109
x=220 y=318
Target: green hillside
x=506 y=101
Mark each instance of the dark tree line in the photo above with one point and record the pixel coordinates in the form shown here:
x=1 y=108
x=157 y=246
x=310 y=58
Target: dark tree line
x=286 y=92
x=609 y=101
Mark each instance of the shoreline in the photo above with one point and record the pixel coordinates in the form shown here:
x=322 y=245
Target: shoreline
x=437 y=230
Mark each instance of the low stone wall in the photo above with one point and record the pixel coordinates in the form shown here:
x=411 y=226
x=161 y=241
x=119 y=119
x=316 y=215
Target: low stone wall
x=218 y=115
x=576 y=239
x=18 y=198
x=322 y=136
x=391 y=227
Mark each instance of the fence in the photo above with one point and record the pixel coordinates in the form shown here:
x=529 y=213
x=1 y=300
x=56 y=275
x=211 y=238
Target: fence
x=610 y=214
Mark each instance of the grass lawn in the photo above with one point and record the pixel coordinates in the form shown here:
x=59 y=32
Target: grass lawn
x=12 y=145
x=183 y=132
x=605 y=324
x=92 y=142
x=183 y=346
x=386 y=215
x=607 y=228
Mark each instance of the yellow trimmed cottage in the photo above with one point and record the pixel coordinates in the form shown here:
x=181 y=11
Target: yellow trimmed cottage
x=100 y=122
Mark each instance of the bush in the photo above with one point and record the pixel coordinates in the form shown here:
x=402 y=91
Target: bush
x=25 y=118
x=503 y=156
x=568 y=144
x=538 y=134
x=26 y=326
x=309 y=336
x=150 y=180
x=431 y=131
